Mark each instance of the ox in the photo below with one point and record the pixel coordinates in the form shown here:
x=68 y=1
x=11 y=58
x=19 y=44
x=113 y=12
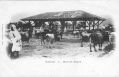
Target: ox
x=25 y=36
x=76 y=33
x=84 y=37
x=47 y=35
x=96 y=38
x=57 y=35
x=50 y=38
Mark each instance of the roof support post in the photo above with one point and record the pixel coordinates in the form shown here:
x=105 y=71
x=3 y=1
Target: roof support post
x=84 y=24
x=99 y=22
x=56 y=26
x=30 y=29
x=93 y=24
x=43 y=24
x=89 y=23
x=40 y=23
x=62 y=26
x=29 y=24
x=97 y=25
x=51 y=24
x=74 y=23
x=36 y=23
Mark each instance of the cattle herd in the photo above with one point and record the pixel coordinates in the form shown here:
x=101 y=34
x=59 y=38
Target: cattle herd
x=95 y=37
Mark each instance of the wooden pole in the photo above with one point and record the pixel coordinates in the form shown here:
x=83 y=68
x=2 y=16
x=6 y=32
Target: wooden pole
x=43 y=24
x=40 y=23
x=88 y=24
x=74 y=23
x=100 y=22
x=98 y=25
x=85 y=25
x=93 y=24
x=50 y=24
x=62 y=27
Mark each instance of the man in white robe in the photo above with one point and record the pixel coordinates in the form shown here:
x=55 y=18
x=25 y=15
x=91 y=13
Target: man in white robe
x=15 y=38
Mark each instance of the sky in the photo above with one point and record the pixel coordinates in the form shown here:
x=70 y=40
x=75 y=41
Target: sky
x=15 y=10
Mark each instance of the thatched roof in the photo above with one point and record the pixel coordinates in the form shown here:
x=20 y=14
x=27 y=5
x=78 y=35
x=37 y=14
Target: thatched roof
x=64 y=15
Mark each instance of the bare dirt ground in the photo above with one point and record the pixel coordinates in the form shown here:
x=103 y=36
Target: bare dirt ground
x=68 y=47
x=61 y=59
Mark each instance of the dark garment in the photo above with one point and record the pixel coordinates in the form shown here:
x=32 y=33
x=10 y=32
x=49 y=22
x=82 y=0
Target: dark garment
x=9 y=48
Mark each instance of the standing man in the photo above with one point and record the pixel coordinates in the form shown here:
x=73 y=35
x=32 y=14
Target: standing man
x=15 y=38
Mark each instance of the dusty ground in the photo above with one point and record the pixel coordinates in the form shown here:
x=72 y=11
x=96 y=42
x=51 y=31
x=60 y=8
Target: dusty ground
x=62 y=59
x=68 y=47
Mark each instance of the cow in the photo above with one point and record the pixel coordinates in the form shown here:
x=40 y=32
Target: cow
x=76 y=33
x=84 y=37
x=43 y=37
x=50 y=37
x=57 y=35
x=25 y=36
x=46 y=34
x=96 y=38
x=105 y=36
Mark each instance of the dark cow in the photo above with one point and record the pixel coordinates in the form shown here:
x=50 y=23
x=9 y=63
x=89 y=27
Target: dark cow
x=96 y=38
x=105 y=36
x=25 y=36
x=84 y=37
x=43 y=37
x=57 y=35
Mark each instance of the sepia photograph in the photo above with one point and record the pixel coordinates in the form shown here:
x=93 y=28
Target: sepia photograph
x=59 y=38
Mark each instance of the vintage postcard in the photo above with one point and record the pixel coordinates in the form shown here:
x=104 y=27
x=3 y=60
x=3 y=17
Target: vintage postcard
x=59 y=38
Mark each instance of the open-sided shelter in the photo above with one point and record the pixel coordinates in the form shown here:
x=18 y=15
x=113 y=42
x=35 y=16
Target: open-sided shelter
x=78 y=15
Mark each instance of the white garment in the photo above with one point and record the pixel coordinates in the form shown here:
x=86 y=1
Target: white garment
x=17 y=35
x=16 y=40
x=111 y=37
x=17 y=45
